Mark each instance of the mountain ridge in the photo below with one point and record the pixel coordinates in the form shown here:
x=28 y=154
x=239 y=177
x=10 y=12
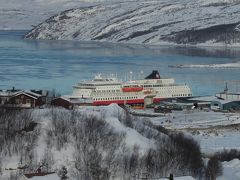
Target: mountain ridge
x=147 y=22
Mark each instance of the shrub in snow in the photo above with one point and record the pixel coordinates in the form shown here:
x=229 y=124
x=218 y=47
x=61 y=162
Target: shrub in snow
x=63 y=173
x=97 y=149
x=188 y=151
x=228 y=155
x=214 y=168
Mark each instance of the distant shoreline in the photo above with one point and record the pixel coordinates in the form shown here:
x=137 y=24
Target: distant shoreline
x=217 y=66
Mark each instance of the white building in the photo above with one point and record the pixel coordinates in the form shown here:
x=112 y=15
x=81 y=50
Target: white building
x=229 y=96
x=226 y=95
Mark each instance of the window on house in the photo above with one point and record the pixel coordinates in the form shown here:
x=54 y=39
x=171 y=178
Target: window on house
x=28 y=101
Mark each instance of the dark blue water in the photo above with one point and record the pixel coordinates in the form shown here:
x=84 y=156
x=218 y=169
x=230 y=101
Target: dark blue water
x=31 y=64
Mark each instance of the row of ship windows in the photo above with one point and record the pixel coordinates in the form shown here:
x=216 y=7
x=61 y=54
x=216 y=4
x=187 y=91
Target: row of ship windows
x=172 y=91
x=114 y=98
x=100 y=84
x=180 y=95
x=174 y=87
x=107 y=91
x=134 y=97
x=119 y=90
x=163 y=85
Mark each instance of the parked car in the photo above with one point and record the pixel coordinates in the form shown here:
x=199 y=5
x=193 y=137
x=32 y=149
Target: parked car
x=162 y=109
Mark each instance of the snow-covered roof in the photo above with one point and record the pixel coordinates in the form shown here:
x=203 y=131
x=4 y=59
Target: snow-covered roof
x=75 y=100
x=27 y=93
x=33 y=93
x=41 y=176
x=204 y=98
x=224 y=101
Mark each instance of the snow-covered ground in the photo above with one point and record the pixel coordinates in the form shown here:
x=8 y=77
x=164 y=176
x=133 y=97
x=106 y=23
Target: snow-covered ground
x=231 y=170
x=196 y=119
x=215 y=131
x=65 y=156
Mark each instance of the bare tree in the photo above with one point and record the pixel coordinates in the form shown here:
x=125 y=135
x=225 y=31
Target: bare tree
x=47 y=160
x=96 y=149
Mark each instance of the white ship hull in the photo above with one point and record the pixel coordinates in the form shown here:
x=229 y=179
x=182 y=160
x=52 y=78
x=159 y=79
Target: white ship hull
x=104 y=91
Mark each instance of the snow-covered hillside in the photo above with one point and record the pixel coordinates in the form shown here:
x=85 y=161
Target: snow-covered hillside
x=150 y=22
x=25 y=14
x=118 y=144
x=114 y=143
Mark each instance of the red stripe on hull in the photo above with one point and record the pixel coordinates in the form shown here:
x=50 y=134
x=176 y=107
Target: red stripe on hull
x=130 y=101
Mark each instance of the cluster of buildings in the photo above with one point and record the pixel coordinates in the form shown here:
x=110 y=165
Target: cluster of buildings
x=13 y=98
x=224 y=101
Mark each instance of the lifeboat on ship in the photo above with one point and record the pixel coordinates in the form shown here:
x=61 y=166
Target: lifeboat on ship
x=132 y=89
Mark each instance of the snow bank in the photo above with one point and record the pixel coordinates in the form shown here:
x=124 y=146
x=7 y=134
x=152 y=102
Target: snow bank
x=132 y=136
x=231 y=170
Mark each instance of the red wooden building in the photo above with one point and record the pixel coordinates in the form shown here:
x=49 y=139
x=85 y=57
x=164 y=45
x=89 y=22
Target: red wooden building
x=25 y=99
x=69 y=103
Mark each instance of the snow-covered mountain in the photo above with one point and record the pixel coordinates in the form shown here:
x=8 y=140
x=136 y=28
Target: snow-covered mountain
x=149 y=22
x=24 y=14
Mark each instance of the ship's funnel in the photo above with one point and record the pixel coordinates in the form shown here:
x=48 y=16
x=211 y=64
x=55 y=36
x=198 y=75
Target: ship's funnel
x=153 y=75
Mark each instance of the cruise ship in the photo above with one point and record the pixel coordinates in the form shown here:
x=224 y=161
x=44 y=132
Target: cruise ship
x=107 y=90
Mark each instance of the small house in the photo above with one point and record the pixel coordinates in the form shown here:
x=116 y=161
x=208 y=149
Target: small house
x=71 y=103
x=225 y=105
x=22 y=99
x=26 y=99
x=226 y=95
x=5 y=95
x=229 y=96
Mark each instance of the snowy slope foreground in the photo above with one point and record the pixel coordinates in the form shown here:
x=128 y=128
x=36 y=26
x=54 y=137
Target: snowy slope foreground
x=150 y=22
x=94 y=141
x=230 y=170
